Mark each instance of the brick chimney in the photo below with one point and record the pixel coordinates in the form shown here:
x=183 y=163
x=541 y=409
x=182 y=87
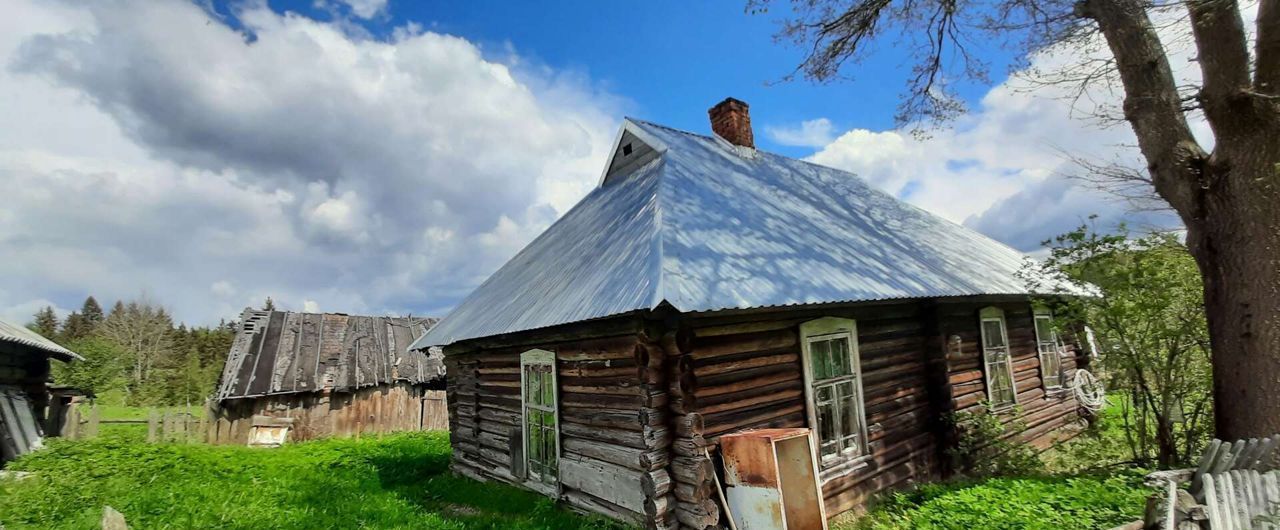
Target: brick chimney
x=731 y=120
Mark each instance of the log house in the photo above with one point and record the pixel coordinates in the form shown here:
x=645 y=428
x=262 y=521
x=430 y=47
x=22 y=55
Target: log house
x=706 y=288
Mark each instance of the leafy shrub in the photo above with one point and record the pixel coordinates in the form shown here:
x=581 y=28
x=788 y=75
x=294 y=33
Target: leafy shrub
x=982 y=450
x=1056 y=503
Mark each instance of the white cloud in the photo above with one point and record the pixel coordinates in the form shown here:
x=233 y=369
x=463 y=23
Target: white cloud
x=365 y=8
x=1004 y=169
x=809 y=133
x=166 y=152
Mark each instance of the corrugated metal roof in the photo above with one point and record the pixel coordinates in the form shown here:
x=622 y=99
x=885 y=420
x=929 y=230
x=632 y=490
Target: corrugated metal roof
x=21 y=335
x=280 y=352
x=706 y=225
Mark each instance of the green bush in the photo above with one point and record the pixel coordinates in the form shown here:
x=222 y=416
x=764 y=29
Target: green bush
x=1051 y=503
x=981 y=449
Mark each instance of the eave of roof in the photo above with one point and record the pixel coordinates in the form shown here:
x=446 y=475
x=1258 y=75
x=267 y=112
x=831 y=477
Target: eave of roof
x=21 y=335
x=709 y=226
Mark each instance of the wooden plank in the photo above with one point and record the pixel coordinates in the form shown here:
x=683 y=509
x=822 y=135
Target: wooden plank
x=609 y=482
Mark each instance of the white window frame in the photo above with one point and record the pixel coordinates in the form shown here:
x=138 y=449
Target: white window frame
x=539 y=357
x=825 y=329
x=1052 y=342
x=995 y=314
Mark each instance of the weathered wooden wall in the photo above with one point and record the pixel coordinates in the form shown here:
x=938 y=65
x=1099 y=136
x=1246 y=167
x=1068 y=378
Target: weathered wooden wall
x=28 y=371
x=1042 y=414
x=371 y=410
x=641 y=410
x=614 y=437
x=745 y=372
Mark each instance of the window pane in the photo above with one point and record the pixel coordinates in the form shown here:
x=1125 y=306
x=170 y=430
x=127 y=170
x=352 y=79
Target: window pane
x=823 y=394
x=530 y=384
x=1044 y=329
x=548 y=393
x=992 y=334
x=840 y=357
x=549 y=453
x=850 y=423
x=534 y=445
x=828 y=449
x=820 y=359
x=826 y=422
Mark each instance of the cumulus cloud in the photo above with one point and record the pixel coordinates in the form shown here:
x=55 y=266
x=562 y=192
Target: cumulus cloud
x=169 y=152
x=808 y=133
x=1007 y=168
x=365 y=8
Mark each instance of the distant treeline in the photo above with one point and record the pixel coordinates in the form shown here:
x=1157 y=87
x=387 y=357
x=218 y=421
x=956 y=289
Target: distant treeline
x=134 y=355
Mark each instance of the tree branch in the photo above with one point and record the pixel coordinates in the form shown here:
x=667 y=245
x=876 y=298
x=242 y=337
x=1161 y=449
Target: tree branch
x=1267 y=80
x=1224 y=59
x=1152 y=104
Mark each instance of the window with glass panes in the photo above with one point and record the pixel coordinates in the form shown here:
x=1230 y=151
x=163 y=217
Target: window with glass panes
x=541 y=430
x=1050 y=349
x=995 y=356
x=834 y=388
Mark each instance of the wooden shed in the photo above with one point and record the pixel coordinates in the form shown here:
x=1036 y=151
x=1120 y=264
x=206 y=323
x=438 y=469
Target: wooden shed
x=24 y=387
x=706 y=288
x=330 y=374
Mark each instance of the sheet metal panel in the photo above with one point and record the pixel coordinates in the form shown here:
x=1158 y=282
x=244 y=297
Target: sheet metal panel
x=284 y=352
x=21 y=335
x=709 y=226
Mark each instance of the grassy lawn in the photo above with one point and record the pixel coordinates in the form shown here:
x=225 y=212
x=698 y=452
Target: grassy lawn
x=401 y=481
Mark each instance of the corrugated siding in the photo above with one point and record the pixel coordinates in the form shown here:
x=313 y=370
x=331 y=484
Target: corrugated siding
x=21 y=335
x=281 y=352
x=729 y=228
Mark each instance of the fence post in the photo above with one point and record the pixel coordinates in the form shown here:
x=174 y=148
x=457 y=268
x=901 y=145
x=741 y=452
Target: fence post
x=71 y=429
x=167 y=422
x=91 y=430
x=153 y=424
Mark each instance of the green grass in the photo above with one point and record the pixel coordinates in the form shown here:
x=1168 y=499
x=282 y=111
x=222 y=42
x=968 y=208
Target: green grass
x=401 y=481
x=1083 y=502
x=1088 y=483
x=121 y=412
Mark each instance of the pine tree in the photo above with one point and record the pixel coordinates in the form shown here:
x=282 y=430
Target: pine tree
x=45 y=323
x=270 y=305
x=92 y=311
x=75 y=327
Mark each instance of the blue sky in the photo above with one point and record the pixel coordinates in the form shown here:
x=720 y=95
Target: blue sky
x=671 y=59
x=384 y=157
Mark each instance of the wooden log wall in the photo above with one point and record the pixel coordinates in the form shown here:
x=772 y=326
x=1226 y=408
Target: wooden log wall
x=28 y=370
x=745 y=372
x=1042 y=414
x=367 y=411
x=615 y=435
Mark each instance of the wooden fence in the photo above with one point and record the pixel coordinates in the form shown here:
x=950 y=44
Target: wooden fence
x=84 y=420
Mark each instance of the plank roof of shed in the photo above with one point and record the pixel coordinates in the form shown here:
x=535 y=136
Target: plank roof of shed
x=704 y=225
x=23 y=337
x=281 y=352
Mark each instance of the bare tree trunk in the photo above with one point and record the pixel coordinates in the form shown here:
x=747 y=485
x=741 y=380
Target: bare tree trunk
x=1240 y=262
x=1230 y=199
